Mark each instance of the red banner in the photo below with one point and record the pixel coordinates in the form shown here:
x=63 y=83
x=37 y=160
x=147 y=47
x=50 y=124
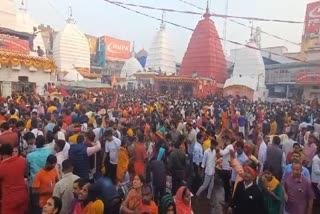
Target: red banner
x=308 y=77
x=312 y=21
x=116 y=48
x=13 y=44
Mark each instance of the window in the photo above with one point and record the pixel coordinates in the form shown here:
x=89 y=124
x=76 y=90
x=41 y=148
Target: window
x=23 y=79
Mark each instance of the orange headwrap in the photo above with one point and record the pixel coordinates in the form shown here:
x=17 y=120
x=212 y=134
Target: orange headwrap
x=251 y=171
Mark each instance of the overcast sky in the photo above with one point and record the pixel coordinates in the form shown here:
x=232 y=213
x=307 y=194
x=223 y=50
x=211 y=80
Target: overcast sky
x=97 y=17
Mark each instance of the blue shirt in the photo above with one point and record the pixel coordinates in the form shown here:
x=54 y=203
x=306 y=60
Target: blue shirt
x=36 y=160
x=197 y=153
x=288 y=169
x=241 y=121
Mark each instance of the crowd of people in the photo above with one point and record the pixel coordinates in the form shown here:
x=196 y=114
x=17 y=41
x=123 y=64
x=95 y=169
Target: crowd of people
x=138 y=152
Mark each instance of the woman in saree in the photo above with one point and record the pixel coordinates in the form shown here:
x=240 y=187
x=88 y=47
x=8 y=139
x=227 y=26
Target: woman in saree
x=131 y=204
x=183 y=201
x=271 y=189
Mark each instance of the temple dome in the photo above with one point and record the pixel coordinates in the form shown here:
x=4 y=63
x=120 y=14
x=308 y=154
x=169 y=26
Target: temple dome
x=71 y=48
x=142 y=53
x=248 y=62
x=241 y=81
x=160 y=56
x=24 y=23
x=73 y=76
x=204 y=54
x=130 y=67
x=8 y=13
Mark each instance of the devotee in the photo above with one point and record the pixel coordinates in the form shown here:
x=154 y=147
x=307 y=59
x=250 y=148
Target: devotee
x=107 y=192
x=79 y=153
x=14 y=188
x=140 y=155
x=271 y=190
x=288 y=144
x=52 y=206
x=36 y=160
x=45 y=180
x=275 y=157
x=241 y=158
x=158 y=176
x=147 y=205
x=225 y=172
x=177 y=164
x=64 y=188
x=309 y=151
x=297 y=190
x=261 y=150
x=295 y=148
x=197 y=160
x=315 y=174
x=131 y=204
x=248 y=197
x=167 y=205
x=183 y=201
x=208 y=166
x=8 y=136
x=296 y=156
x=110 y=158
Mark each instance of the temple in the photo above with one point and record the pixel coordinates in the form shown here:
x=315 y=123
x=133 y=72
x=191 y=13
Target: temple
x=204 y=56
x=161 y=57
x=24 y=66
x=248 y=77
x=131 y=66
x=203 y=69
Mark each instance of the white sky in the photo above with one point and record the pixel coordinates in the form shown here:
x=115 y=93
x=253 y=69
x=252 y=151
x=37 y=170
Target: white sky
x=98 y=18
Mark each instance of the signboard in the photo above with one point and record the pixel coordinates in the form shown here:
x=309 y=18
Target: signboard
x=312 y=20
x=116 y=49
x=308 y=77
x=92 y=44
x=13 y=44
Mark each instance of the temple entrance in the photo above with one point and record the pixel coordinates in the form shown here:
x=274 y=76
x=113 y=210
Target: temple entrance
x=23 y=86
x=163 y=89
x=187 y=90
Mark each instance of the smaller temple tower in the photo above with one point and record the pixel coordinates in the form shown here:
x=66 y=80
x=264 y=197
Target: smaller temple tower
x=70 y=51
x=161 y=58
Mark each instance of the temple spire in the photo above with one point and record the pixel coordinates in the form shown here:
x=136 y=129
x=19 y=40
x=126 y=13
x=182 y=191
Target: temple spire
x=132 y=51
x=207 y=13
x=23 y=5
x=70 y=19
x=163 y=25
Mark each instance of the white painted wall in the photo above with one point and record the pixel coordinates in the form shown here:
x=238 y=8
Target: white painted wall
x=11 y=74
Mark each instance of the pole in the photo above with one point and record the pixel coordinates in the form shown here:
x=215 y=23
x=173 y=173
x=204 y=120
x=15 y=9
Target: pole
x=225 y=27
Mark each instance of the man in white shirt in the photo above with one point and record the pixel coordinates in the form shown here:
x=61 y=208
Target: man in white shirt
x=34 y=128
x=64 y=188
x=197 y=159
x=208 y=165
x=110 y=157
x=262 y=154
x=225 y=172
x=288 y=144
x=98 y=132
x=241 y=158
x=62 y=153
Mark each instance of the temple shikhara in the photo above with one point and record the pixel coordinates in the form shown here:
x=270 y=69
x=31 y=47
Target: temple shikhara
x=203 y=69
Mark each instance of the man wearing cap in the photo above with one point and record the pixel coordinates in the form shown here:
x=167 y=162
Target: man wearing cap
x=248 y=197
